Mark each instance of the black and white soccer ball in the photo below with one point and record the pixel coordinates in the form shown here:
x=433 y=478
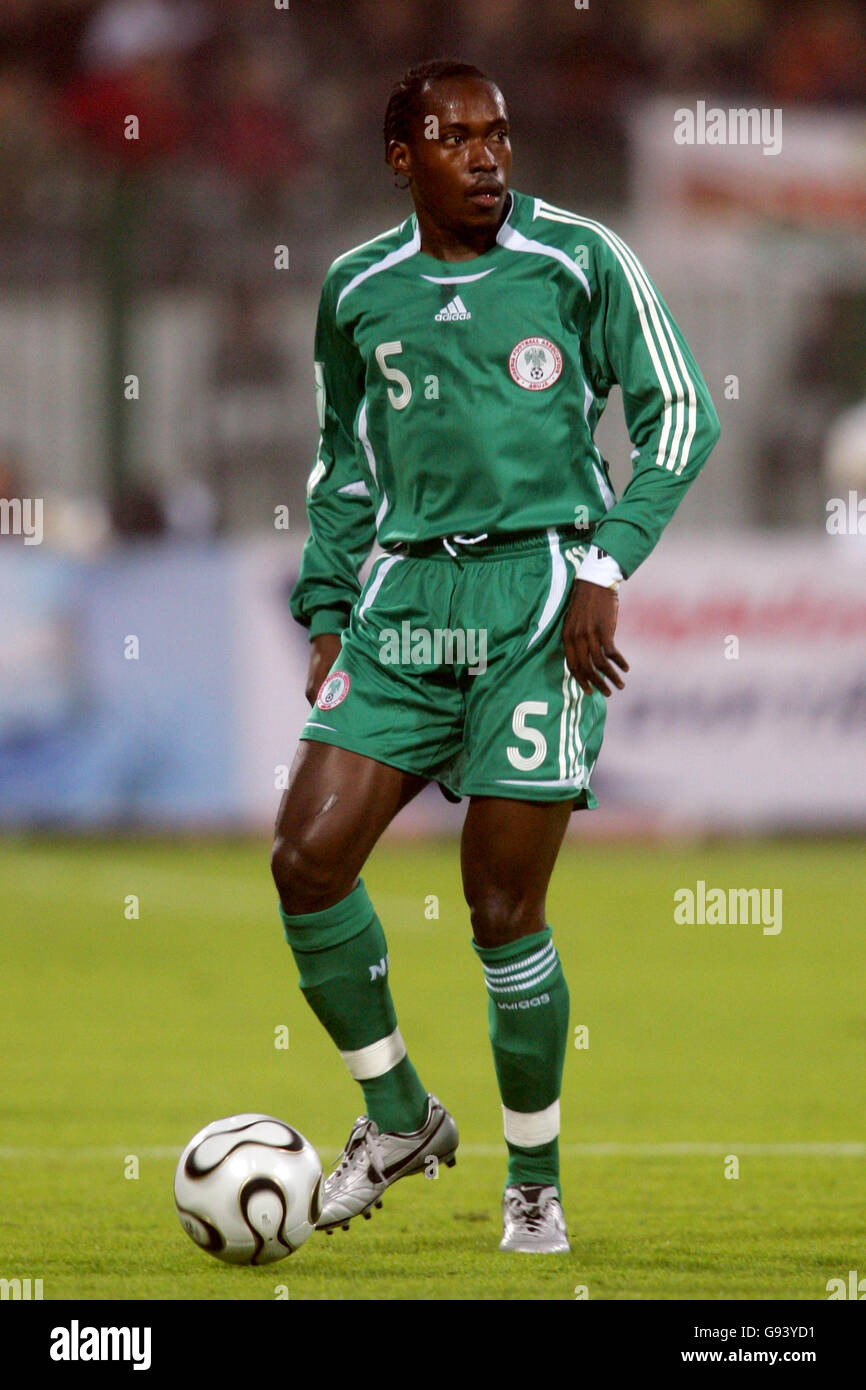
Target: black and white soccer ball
x=248 y=1189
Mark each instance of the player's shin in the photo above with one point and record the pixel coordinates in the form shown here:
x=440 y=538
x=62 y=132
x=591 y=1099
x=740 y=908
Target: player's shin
x=342 y=959
x=528 y=1016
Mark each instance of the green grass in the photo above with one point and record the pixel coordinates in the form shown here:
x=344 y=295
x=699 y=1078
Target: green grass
x=122 y=1037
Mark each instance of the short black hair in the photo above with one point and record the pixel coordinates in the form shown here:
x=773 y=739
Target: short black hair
x=404 y=103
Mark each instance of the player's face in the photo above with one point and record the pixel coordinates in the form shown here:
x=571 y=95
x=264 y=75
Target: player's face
x=459 y=164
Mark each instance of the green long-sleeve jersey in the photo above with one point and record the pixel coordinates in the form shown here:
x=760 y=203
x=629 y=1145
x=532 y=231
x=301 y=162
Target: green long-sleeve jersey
x=461 y=398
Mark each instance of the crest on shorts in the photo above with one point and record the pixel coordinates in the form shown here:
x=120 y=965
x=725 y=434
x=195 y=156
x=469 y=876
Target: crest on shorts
x=535 y=363
x=333 y=690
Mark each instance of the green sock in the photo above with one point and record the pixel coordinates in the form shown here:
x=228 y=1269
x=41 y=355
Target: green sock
x=342 y=958
x=540 y=1164
x=528 y=1018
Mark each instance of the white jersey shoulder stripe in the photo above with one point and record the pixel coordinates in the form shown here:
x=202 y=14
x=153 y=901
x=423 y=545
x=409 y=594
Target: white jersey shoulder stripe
x=362 y=245
x=512 y=240
x=400 y=253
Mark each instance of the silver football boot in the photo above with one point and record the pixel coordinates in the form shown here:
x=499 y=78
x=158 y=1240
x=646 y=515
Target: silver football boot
x=533 y=1221
x=371 y=1162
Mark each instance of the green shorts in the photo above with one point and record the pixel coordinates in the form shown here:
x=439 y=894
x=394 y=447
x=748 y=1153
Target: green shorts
x=453 y=667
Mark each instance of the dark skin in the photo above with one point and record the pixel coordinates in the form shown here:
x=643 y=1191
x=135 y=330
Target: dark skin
x=448 y=178
x=338 y=803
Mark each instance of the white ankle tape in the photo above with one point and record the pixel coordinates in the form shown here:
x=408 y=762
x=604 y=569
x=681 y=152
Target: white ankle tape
x=376 y=1059
x=530 y=1129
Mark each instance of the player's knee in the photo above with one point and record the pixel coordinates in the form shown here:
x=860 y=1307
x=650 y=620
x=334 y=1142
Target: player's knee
x=307 y=878
x=500 y=915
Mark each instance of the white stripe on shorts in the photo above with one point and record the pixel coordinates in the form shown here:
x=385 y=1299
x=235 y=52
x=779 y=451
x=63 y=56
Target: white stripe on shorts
x=384 y=566
x=558 y=581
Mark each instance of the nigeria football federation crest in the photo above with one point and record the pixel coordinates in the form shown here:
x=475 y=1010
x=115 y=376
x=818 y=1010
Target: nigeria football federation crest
x=535 y=363
x=333 y=690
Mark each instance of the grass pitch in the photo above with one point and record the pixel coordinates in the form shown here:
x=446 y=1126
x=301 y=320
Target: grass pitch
x=711 y=1049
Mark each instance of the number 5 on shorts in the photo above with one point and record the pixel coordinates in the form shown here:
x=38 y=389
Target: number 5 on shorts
x=522 y=761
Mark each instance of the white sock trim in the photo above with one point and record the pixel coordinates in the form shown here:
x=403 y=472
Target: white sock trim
x=529 y=1130
x=376 y=1059
x=500 y=972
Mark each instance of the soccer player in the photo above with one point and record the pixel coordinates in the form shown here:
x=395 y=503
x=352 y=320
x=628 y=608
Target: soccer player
x=463 y=360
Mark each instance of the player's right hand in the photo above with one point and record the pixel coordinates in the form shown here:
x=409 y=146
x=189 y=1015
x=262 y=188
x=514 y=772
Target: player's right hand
x=324 y=652
x=588 y=634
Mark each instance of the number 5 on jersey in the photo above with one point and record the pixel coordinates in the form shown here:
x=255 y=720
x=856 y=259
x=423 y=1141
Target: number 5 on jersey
x=401 y=399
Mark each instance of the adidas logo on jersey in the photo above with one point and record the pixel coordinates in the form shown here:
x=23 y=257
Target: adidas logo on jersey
x=454 y=309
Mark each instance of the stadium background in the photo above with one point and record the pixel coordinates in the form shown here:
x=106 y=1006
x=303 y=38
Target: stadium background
x=164 y=509
x=176 y=516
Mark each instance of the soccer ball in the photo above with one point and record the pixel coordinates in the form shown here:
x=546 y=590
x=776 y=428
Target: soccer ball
x=248 y=1189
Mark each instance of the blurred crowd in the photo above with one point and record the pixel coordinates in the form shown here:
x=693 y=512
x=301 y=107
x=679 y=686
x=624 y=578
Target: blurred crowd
x=258 y=123
x=251 y=114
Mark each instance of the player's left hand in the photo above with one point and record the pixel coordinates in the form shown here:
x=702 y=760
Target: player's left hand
x=588 y=633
